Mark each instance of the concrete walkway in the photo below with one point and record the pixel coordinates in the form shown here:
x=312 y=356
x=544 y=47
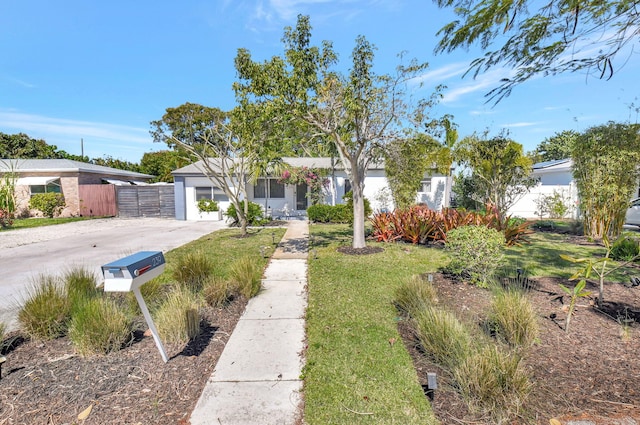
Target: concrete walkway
x=257 y=378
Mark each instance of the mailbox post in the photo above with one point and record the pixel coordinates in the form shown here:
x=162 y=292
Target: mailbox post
x=129 y=274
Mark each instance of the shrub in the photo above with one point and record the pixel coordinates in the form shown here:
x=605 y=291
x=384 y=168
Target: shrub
x=245 y=277
x=322 y=213
x=216 y=291
x=415 y=295
x=207 y=205
x=254 y=215
x=178 y=318
x=348 y=198
x=80 y=285
x=476 y=252
x=98 y=326
x=442 y=336
x=493 y=382
x=46 y=311
x=625 y=248
x=514 y=318
x=193 y=269
x=6 y=218
x=51 y=204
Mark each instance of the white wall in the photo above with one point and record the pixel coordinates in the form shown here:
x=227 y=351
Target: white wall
x=191 y=205
x=527 y=207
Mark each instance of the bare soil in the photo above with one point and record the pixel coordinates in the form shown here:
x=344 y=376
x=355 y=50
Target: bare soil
x=46 y=383
x=591 y=373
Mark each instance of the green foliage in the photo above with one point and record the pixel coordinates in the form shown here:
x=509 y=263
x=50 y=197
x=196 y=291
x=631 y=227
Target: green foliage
x=207 y=205
x=626 y=247
x=322 y=213
x=314 y=178
x=46 y=310
x=514 y=318
x=161 y=163
x=192 y=269
x=476 y=252
x=7 y=197
x=50 y=204
x=178 y=318
x=99 y=326
x=575 y=293
x=22 y=146
x=556 y=206
x=494 y=382
x=348 y=198
x=414 y=295
x=254 y=215
x=464 y=191
x=500 y=168
x=245 y=277
x=605 y=168
x=559 y=146
x=80 y=285
x=216 y=291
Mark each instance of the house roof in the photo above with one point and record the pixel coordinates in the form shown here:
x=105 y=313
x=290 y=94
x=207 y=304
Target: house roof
x=310 y=162
x=556 y=165
x=64 y=166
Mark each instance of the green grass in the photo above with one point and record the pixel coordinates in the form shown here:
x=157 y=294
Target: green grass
x=24 y=223
x=354 y=374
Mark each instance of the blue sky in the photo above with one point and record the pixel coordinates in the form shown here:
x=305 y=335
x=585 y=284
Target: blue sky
x=102 y=71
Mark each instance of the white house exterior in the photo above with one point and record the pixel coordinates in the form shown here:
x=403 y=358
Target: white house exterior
x=191 y=184
x=554 y=177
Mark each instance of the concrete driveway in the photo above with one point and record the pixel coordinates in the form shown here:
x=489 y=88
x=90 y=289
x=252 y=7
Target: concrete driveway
x=27 y=253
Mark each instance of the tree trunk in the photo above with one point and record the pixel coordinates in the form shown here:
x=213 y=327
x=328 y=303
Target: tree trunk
x=357 y=189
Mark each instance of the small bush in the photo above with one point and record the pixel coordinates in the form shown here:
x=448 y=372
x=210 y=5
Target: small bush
x=514 y=318
x=216 y=292
x=98 y=326
x=442 y=336
x=493 y=382
x=193 y=269
x=207 y=205
x=51 y=204
x=476 y=252
x=254 y=215
x=625 y=248
x=46 y=311
x=322 y=213
x=415 y=295
x=80 y=285
x=245 y=277
x=178 y=318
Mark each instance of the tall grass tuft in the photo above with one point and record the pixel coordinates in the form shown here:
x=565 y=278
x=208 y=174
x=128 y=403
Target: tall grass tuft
x=514 y=318
x=443 y=336
x=193 y=269
x=494 y=382
x=46 y=310
x=80 y=285
x=178 y=318
x=3 y=331
x=98 y=326
x=414 y=295
x=216 y=291
x=154 y=293
x=245 y=277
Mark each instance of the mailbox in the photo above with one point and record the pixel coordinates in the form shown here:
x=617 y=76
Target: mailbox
x=131 y=272
x=128 y=274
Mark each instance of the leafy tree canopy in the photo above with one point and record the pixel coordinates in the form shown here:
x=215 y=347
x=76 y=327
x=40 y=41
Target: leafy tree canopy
x=541 y=38
x=558 y=146
x=21 y=146
x=161 y=163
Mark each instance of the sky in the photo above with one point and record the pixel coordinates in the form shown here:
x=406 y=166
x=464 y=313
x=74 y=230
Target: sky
x=100 y=72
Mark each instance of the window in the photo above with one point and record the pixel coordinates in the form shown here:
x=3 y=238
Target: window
x=425 y=186
x=214 y=193
x=347 y=186
x=51 y=187
x=275 y=189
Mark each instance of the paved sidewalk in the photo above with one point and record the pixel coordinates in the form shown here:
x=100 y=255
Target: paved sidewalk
x=257 y=378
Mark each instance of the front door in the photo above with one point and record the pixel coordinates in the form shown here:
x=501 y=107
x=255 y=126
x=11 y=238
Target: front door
x=301 y=197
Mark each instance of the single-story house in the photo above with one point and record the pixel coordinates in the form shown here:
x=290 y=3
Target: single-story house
x=555 y=177
x=63 y=176
x=192 y=184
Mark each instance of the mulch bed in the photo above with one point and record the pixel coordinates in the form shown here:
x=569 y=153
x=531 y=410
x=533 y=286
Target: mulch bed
x=46 y=383
x=592 y=372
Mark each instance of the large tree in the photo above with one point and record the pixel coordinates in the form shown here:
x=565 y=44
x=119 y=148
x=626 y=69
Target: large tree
x=360 y=112
x=161 y=163
x=558 y=146
x=542 y=38
x=14 y=146
x=605 y=167
x=501 y=171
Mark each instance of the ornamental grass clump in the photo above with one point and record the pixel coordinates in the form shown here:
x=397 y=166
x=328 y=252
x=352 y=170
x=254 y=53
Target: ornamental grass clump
x=245 y=277
x=476 y=253
x=99 y=326
x=514 y=319
x=442 y=336
x=193 y=269
x=178 y=317
x=494 y=382
x=414 y=295
x=80 y=285
x=216 y=291
x=46 y=310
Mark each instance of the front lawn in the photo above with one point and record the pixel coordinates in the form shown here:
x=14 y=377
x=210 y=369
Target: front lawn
x=24 y=223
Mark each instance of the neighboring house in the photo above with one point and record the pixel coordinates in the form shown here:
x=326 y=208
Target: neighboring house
x=192 y=184
x=65 y=176
x=554 y=177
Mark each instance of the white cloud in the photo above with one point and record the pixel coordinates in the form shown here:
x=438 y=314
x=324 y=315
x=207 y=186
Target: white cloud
x=19 y=82
x=437 y=76
x=520 y=124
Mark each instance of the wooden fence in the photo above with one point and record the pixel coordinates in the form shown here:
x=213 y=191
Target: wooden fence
x=97 y=200
x=146 y=201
